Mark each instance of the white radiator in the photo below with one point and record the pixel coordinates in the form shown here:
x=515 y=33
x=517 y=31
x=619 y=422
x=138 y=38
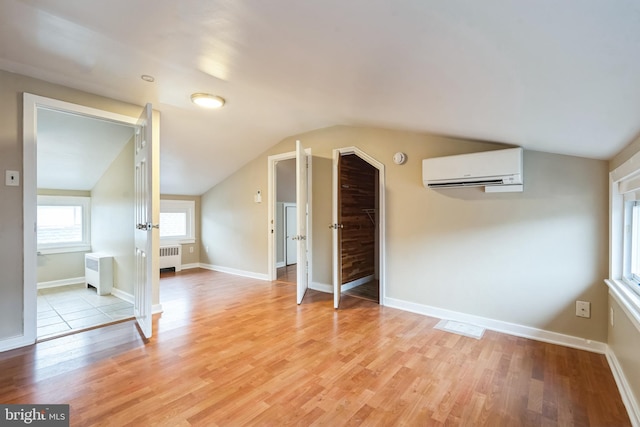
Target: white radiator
x=171 y=257
x=98 y=272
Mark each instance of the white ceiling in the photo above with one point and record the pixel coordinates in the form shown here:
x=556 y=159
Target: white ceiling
x=556 y=76
x=75 y=151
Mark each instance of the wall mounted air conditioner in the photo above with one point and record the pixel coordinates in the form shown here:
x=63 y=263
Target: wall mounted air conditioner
x=496 y=171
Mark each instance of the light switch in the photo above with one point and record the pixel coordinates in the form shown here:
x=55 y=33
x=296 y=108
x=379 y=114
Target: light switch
x=12 y=178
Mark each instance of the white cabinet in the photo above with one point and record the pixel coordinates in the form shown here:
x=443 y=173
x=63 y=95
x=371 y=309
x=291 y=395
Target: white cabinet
x=98 y=272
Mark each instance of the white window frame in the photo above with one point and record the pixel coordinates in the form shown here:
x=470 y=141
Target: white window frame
x=85 y=203
x=180 y=206
x=624 y=185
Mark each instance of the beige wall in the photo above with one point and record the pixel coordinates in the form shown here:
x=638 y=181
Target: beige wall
x=234 y=227
x=112 y=216
x=62 y=266
x=522 y=258
x=12 y=87
x=189 y=257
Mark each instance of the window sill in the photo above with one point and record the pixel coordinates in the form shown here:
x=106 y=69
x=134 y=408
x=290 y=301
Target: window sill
x=169 y=242
x=64 y=250
x=627 y=298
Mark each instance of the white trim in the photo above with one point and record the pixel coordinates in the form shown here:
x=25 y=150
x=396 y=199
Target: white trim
x=235 y=272
x=357 y=282
x=321 y=287
x=192 y=265
x=382 y=263
x=280 y=264
x=272 y=273
x=501 y=326
x=629 y=400
x=125 y=296
x=30 y=106
x=65 y=250
x=61 y=282
x=627 y=299
x=271 y=217
x=188 y=207
x=11 y=343
x=284 y=235
x=82 y=201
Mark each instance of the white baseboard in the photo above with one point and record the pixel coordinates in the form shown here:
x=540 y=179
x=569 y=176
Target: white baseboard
x=62 y=282
x=357 y=282
x=235 y=272
x=322 y=287
x=500 y=326
x=280 y=264
x=11 y=343
x=630 y=403
x=192 y=265
x=125 y=296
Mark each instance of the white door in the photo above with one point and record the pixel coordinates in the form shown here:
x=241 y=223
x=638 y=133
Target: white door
x=291 y=221
x=302 y=205
x=336 y=231
x=144 y=228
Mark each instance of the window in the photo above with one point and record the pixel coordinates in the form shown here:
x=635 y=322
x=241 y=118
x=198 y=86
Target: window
x=177 y=219
x=63 y=224
x=624 y=244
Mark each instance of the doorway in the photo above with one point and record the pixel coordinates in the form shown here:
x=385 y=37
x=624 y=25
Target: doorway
x=358 y=228
x=36 y=107
x=286 y=224
x=290 y=174
x=73 y=181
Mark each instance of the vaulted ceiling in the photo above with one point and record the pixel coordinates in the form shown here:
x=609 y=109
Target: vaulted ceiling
x=556 y=76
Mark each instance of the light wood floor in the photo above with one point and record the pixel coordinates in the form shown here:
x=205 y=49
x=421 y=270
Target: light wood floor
x=287 y=274
x=232 y=351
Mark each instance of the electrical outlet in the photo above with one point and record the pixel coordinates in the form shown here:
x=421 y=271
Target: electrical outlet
x=190 y=249
x=583 y=309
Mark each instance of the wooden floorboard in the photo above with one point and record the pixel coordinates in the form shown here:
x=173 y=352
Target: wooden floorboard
x=230 y=351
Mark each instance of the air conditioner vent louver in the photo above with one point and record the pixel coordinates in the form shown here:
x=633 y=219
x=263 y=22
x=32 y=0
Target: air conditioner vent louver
x=466 y=184
x=491 y=169
x=92 y=264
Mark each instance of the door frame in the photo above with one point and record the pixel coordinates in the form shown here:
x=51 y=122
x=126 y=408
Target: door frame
x=31 y=104
x=271 y=200
x=382 y=263
x=286 y=226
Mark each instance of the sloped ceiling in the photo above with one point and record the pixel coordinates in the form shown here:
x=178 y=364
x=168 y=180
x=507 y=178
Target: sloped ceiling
x=556 y=76
x=75 y=151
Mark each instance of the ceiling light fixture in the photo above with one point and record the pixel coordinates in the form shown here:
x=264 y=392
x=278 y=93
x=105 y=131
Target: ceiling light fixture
x=207 y=100
x=148 y=78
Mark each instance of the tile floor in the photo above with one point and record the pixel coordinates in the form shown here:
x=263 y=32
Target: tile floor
x=66 y=308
